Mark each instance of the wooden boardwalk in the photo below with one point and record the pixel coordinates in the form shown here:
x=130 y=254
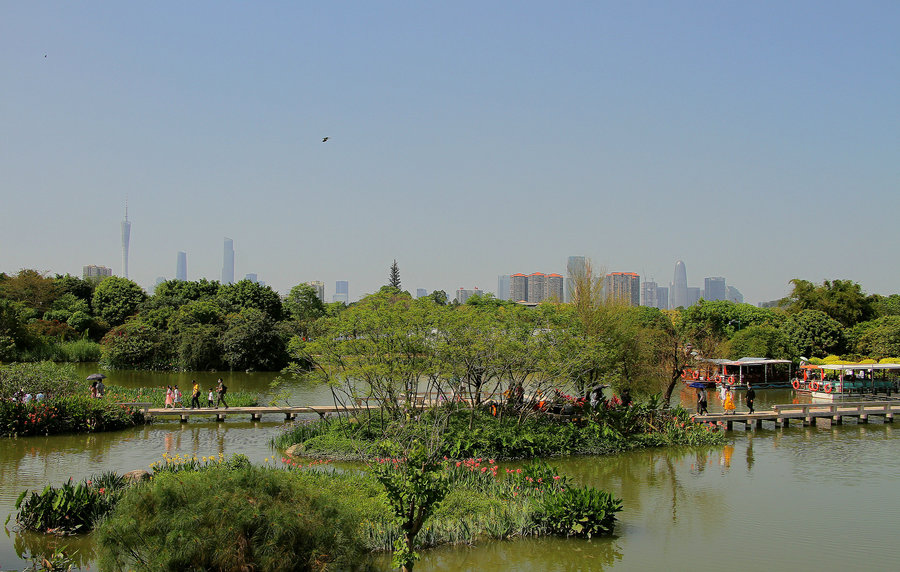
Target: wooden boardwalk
x=807 y=413
x=255 y=413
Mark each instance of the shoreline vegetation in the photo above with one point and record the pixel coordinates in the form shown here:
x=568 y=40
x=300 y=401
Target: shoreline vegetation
x=46 y=398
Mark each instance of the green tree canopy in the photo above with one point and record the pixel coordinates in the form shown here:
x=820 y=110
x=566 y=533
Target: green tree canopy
x=761 y=341
x=303 y=304
x=32 y=288
x=877 y=339
x=246 y=294
x=116 y=298
x=814 y=334
x=251 y=342
x=842 y=300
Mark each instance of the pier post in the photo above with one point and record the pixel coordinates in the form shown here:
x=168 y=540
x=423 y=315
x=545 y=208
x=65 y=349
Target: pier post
x=220 y=417
x=864 y=418
x=729 y=425
x=837 y=420
x=184 y=418
x=758 y=424
x=255 y=416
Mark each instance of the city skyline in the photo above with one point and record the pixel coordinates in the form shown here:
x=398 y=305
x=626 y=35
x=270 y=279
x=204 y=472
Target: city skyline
x=465 y=147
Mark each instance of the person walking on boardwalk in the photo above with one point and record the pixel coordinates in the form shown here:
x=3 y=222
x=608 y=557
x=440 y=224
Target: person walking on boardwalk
x=211 y=398
x=170 y=397
x=751 y=397
x=728 y=404
x=176 y=398
x=701 y=402
x=195 y=395
x=221 y=390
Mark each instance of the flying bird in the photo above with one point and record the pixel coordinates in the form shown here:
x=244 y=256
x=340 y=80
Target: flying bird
x=324 y=139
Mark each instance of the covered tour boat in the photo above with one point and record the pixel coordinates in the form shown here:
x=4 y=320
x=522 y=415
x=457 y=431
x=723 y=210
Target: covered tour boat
x=833 y=381
x=759 y=372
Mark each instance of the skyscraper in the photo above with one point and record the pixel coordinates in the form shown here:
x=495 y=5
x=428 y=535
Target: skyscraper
x=537 y=287
x=95 y=273
x=463 y=294
x=341 y=292
x=734 y=295
x=181 y=266
x=554 y=287
x=624 y=287
x=650 y=294
x=320 y=289
x=126 y=239
x=421 y=292
x=714 y=288
x=503 y=287
x=662 y=298
x=679 y=291
x=252 y=277
x=518 y=287
x=575 y=267
x=693 y=295
x=228 y=262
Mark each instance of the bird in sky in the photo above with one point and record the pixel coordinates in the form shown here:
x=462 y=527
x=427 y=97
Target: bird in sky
x=324 y=139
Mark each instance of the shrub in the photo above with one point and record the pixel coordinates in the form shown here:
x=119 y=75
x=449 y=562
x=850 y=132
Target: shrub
x=231 y=519
x=71 y=508
x=73 y=414
x=581 y=511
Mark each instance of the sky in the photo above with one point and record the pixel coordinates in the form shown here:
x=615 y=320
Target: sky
x=759 y=141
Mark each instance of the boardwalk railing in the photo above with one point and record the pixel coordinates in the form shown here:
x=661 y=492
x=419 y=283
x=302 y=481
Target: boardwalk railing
x=808 y=413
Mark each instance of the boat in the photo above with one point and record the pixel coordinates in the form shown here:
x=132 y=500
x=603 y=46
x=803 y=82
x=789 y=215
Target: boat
x=761 y=373
x=837 y=381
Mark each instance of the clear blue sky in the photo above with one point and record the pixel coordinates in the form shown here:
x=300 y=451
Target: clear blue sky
x=759 y=141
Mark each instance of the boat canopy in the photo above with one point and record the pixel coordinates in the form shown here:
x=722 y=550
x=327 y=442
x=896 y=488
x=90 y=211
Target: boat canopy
x=854 y=366
x=746 y=361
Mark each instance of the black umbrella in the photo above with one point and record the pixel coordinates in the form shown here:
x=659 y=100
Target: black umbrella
x=96 y=376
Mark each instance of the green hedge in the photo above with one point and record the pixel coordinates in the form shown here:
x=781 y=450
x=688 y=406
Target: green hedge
x=74 y=414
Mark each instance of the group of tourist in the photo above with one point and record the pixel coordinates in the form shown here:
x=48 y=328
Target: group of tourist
x=22 y=396
x=727 y=396
x=215 y=396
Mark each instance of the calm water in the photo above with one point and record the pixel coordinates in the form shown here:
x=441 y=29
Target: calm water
x=807 y=498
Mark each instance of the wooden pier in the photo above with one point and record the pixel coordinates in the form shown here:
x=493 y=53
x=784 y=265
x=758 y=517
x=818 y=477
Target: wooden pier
x=255 y=413
x=807 y=413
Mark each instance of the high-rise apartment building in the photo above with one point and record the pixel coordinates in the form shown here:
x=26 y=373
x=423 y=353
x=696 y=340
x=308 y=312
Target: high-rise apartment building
x=575 y=267
x=554 y=288
x=503 y=287
x=181 y=266
x=679 y=291
x=462 y=294
x=95 y=273
x=341 y=292
x=421 y=292
x=518 y=287
x=320 y=289
x=714 y=288
x=537 y=287
x=228 y=262
x=126 y=240
x=624 y=287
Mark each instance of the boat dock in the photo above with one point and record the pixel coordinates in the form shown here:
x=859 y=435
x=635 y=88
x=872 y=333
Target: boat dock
x=807 y=413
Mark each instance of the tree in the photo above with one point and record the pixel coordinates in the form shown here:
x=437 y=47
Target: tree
x=439 y=297
x=135 y=345
x=842 y=300
x=32 y=288
x=80 y=288
x=246 y=294
x=304 y=306
x=877 y=339
x=115 y=299
x=251 y=342
x=394 y=278
x=814 y=334
x=761 y=341
x=186 y=290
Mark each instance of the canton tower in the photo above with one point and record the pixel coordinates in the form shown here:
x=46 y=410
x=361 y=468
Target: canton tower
x=126 y=236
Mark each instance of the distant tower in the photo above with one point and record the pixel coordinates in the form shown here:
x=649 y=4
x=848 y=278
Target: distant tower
x=341 y=292
x=679 y=292
x=575 y=268
x=228 y=262
x=126 y=238
x=503 y=287
x=181 y=266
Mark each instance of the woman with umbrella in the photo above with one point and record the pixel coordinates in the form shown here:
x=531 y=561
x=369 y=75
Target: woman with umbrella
x=97 y=387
